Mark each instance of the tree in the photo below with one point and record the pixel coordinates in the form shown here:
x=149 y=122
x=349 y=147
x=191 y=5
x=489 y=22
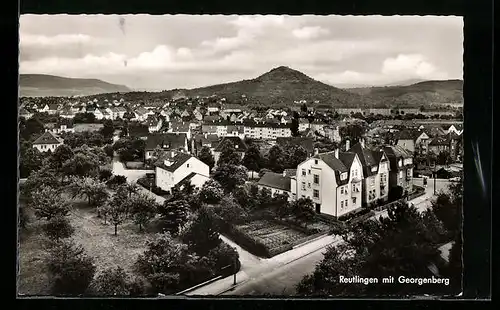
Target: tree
x=30 y=129
x=211 y=192
x=105 y=175
x=297 y=154
x=229 y=210
x=228 y=154
x=45 y=176
x=352 y=132
x=224 y=257
x=58 y=227
x=252 y=159
x=230 y=176
x=82 y=165
x=303 y=108
x=132 y=188
x=117 y=209
x=295 y=127
x=30 y=159
x=276 y=159
x=143 y=209
x=165 y=263
x=303 y=210
x=444 y=158
x=107 y=130
x=448 y=209
x=174 y=215
x=112 y=282
x=241 y=196
x=94 y=191
x=265 y=197
x=206 y=157
x=403 y=243
x=202 y=234
x=62 y=154
x=48 y=203
x=71 y=269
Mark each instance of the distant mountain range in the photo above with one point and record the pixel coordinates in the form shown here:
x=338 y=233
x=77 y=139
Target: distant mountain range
x=41 y=85
x=398 y=83
x=279 y=86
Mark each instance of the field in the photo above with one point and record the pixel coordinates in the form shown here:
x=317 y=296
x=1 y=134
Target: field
x=271 y=235
x=97 y=238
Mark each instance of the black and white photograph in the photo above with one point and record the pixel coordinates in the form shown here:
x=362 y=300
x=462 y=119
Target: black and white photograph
x=240 y=155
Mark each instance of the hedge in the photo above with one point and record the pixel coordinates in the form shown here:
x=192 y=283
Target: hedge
x=349 y=216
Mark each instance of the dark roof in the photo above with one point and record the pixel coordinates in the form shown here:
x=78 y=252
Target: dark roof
x=138 y=131
x=332 y=161
x=166 y=140
x=407 y=135
x=394 y=153
x=367 y=158
x=237 y=142
x=306 y=142
x=179 y=126
x=177 y=160
x=440 y=141
x=347 y=158
x=275 y=180
x=290 y=172
x=187 y=179
x=47 y=138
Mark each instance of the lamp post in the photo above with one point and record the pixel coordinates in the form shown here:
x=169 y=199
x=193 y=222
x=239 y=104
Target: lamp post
x=234 y=266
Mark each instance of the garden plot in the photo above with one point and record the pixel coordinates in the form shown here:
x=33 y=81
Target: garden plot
x=270 y=234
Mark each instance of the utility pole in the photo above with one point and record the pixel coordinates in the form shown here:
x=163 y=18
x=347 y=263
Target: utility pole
x=234 y=266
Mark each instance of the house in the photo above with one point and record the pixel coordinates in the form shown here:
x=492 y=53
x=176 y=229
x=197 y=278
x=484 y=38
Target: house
x=407 y=139
x=60 y=128
x=166 y=142
x=47 y=142
x=375 y=171
x=231 y=108
x=268 y=129
x=154 y=123
x=401 y=168
x=212 y=109
x=318 y=126
x=98 y=114
x=141 y=114
x=303 y=124
x=239 y=145
x=67 y=113
x=277 y=183
x=25 y=113
x=439 y=144
x=180 y=128
x=457 y=129
x=306 y=143
x=177 y=168
x=235 y=131
x=198 y=115
x=203 y=140
x=332 y=133
x=332 y=180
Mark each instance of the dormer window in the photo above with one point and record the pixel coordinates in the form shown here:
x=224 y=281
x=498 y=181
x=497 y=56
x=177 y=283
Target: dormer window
x=374 y=168
x=400 y=163
x=343 y=176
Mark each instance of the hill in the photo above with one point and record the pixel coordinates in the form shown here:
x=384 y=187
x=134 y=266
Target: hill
x=38 y=85
x=283 y=86
x=427 y=92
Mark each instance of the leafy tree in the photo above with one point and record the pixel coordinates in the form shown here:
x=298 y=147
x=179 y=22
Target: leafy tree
x=45 y=176
x=174 y=215
x=230 y=176
x=444 y=158
x=84 y=118
x=165 y=262
x=297 y=154
x=30 y=160
x=228 y=155
x=265 y=197
x=229 y=210
x=303 y=210
x=202 y=234
x=81 y=165
x=71 y=269
x=295 y=127
x=105 y=175
x=404 y=243
x=276 y=159
x=112 y=282
x=143 y=208
x=241 y=196
x=94 y=191
x=252 y=159
x=448 y=209
x=130 y=148
x=352 y=132
x=206 y=157
x=89 y=138
x=132 y=188
x=48 y=203
x=224 y=256
x=30 y=129
x=62 y=154
x=211 y=192
x=117 y=180
x=117 y=208
x=58 y=227
x=108 y=130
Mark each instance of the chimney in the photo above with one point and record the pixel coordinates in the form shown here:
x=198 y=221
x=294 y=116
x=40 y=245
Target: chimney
x=347 y=145
x=337 y=153
x=316 y=151
x=362 y=141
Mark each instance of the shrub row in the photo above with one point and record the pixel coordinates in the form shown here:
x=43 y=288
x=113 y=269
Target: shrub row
x=349 y=216
x=246 y=241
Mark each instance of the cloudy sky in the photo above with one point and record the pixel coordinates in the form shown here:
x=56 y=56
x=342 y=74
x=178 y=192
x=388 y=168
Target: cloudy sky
x=183 y=51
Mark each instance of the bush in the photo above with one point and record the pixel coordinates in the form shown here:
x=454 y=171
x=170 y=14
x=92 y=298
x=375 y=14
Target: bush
x=112 y=282
x=58 y=227
x=349 y=216
x=225 y=259
x=70 y=268
x=105 y=175
x=338 y=228
x=117 y=180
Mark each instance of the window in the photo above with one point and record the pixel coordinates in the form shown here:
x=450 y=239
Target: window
x=315 y=161
x=342 y=190
x=304 y=172
x=316 y=179
x=309 y=184
x=345 y=203
x=309 y=171
x=188 y=165
x=372 y=181
x=316 y=193
x=400 y=174
x=354 y=200
x=303 y=196
x=303 y=186
x=343 y=176
x=342 y=205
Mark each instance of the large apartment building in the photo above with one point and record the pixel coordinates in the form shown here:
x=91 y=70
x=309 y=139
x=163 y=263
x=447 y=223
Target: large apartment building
x=401 y=168
x=332 y=180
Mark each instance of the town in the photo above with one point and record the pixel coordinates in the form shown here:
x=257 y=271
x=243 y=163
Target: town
x=277 y=184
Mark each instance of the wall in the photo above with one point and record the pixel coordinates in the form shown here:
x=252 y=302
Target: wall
x=383 y=169
x=166 y=180
x=46 y=147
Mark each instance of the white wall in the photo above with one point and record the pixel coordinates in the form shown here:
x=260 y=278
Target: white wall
x=46 y=147
x=166 y=180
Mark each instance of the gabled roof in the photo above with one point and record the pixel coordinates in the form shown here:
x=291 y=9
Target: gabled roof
x=168 y=140
x=306 y=142
x=276 y=180
x=332 y=161
x=366 y=157
x=47 y=138
x=396 y=152
x=237 y=142
x=177 y=160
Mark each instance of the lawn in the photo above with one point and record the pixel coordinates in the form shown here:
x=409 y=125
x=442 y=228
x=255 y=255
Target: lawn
x=97 y=238
x=271 y=235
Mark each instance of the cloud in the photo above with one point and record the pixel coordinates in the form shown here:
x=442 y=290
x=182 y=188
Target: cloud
x=349 y=77
x=413 y=65
x=309 y=32
x=61 y=39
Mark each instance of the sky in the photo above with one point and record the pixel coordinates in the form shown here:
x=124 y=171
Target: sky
x=156 y=52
